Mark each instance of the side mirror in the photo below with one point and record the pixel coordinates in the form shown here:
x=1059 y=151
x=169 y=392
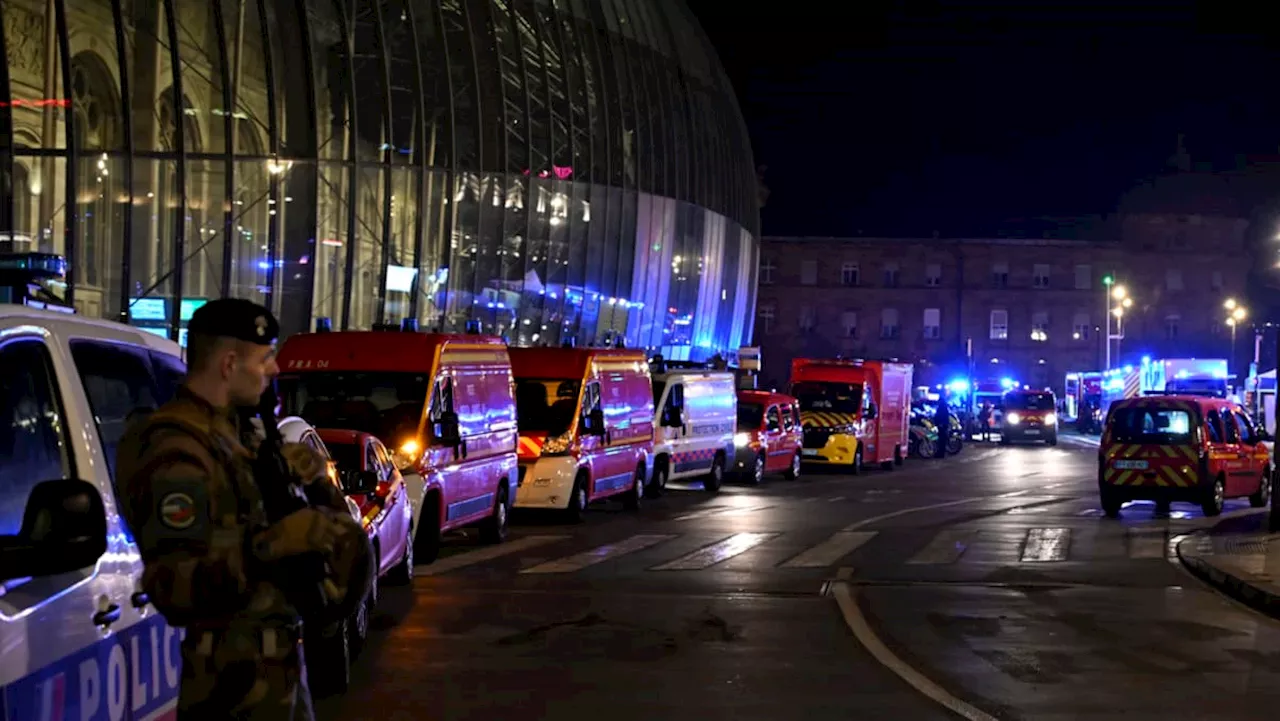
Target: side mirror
x=448 y=430
x=64 y=528
x=358 y=482
x=673 y=417
x=595 y=422
x=1261 y=435
x=871 y=411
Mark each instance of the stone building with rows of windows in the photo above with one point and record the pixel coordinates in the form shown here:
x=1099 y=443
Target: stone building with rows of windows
x=1031 y=309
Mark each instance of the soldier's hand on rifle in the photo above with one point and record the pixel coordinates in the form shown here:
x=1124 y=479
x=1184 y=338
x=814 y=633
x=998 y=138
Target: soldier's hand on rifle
x=309 y=530
x=305 y=462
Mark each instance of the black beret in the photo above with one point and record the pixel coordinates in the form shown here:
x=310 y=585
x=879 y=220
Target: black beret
x=235 y=318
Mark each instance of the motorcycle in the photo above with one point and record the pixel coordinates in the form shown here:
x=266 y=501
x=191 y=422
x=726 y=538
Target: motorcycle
x=923 y=428
x=924 y=437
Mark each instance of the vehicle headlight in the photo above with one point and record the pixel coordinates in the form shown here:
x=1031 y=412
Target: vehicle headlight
x=1013 y=418
x=1050 y=419
x=742 y=440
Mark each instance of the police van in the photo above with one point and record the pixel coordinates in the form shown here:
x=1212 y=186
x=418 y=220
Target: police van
x=80 y=638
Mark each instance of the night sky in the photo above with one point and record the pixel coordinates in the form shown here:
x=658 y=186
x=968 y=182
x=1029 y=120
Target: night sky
x=909 y=117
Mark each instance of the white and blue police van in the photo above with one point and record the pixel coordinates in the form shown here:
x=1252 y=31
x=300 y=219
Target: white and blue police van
x=78 y=637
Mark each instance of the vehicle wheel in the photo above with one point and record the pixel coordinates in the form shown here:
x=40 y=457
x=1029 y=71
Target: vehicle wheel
x=1110 y=503
x=715 y=477
x=1263 y=496
x=635 y=497
x=794 y=471
x=955 y=444
x=358 y=626
x=578 y=500
x=494 y=528
x=927 y=448
x=857 y=461
x=402 y=573
x=1217 y=494
x=898 y=459
x=426 y=542
x=328 y=659
x=757 y=471
x=658 y=484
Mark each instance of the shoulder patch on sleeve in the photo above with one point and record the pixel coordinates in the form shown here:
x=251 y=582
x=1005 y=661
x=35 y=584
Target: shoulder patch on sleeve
x=182 y=507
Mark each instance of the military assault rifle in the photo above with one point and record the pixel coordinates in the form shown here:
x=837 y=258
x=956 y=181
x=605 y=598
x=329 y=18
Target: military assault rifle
x=300 y=577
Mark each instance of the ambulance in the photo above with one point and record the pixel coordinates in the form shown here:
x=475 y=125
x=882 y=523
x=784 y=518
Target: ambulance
x=442 y=403
x=696 y=418
x=586 y=427
x=81 y=639
x=853 y=411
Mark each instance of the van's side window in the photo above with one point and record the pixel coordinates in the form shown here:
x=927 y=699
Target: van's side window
x=1228 y=425
x=33 y=428
x=590 y=398
x=771 y=421
x=117 y=380
x=1247 y=434
x=169 y=372
x=442 y=398
x=1214 y=423
x=788 y=420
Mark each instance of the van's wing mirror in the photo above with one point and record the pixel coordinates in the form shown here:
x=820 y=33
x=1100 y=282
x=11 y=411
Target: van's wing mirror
x=356 y=483
x=871 y=411
x=64 y=528
x=448 y=429
x=595 y=422
x=1262 y=435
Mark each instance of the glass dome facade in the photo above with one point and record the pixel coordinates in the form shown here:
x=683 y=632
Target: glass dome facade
x=548 y=169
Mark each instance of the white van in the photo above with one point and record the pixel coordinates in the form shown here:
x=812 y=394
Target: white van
x=696 y=415
x=80 y=637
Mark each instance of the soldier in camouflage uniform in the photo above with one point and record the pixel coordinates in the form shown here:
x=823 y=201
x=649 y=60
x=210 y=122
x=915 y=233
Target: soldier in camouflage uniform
x=187 y=490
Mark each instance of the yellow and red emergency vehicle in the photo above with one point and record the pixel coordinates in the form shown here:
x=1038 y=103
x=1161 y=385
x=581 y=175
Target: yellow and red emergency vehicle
x=853 y=411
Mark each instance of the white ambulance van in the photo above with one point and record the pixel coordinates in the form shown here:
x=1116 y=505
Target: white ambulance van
x=79 y=637
x=696 y=416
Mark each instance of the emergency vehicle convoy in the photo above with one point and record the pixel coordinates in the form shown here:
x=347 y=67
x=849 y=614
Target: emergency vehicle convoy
x=853 y=411
x=432 y=432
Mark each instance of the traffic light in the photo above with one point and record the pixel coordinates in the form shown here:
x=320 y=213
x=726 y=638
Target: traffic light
x=1108 y=280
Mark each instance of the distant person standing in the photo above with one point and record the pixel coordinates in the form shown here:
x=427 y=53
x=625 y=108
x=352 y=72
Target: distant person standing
x=942 y=419
x=984 y=421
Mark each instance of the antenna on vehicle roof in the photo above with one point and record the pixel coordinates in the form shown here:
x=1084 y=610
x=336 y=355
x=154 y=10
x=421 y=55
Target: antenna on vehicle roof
x=324 y=325
x=409 y=325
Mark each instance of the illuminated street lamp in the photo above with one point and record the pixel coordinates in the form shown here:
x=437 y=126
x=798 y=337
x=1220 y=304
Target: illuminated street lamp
x=1117 y=301
x=1235 y=316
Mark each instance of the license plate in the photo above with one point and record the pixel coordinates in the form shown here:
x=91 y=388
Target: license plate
x=808 y=451
x=1130 y=465
x=1032 y=432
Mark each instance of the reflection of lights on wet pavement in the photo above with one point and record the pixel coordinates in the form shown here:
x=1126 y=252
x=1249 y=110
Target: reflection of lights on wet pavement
x=599 y=554
x=716 y=552
x=1047 y=544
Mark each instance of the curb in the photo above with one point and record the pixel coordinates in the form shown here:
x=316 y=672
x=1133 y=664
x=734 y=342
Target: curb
x=1231 y=584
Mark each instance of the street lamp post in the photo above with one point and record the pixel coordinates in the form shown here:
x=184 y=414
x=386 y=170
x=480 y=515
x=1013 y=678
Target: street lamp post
x=1236 y=313
x=1118 y=301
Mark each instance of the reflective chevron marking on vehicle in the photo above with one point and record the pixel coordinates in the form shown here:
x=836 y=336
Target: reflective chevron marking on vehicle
x=480 y=555
x=946 y=547
x=836 y=547
x=718 y=552
x=1045 y=545
x=599 y=554
x=1147 y=542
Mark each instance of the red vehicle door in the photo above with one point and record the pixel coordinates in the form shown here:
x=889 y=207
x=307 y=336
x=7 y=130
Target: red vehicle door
x=772 y=437
x=1252 y=454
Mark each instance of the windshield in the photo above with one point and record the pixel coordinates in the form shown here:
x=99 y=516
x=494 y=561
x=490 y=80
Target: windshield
x=1163 y=426
x=829 y=397
x=1029 y=402
x=750 y=416
x=346 y=455
x=388 y=405
x=546 y=405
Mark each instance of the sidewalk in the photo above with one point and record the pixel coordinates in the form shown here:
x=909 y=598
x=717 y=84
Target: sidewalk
x=1240 y=559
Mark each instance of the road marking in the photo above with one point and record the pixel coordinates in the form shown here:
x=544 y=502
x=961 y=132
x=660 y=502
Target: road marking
x=1147 y=542
x=720 y=511
x=905 y=511
x=599 y=554
x=718 y=552
x=857 y=623
x=946 y=547
x=836 y=547
x=833 y=499
x=480 y=555
x=1046 y=545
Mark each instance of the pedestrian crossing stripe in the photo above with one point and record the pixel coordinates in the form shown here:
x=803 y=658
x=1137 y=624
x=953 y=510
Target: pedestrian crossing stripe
x=949 y=546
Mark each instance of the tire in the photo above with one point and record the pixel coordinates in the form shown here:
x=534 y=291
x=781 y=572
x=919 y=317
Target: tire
x=635 y=497
x=358 y=627
x=1263 y=496
x=402 y=573
x=658 y=484
x=715 y=477
x=578 y=500
x=427 y=539
x=927 y=448
x=793 y=472
x=898 y=458
x=757 y=471
x=955 y=444
x=494 y=529
x=1214 y=497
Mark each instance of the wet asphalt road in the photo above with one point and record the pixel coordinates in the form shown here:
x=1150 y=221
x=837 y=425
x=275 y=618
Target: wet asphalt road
x=991 y=573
